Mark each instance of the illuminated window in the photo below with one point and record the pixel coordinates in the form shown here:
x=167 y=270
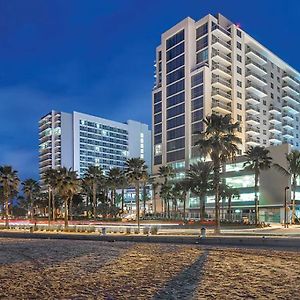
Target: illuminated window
x=158 y=149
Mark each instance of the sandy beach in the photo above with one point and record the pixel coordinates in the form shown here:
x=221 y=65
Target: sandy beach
x=62 y=269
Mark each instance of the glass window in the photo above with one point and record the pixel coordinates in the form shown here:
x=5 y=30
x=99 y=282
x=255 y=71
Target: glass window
x=175 y=51
x=157 y=97
x=202 y=56
x=175 y=122
x=239 y=33
x=239 y=70
x=197 y=103
x=239 y=45
x=197 y=79
x=175 y=111
x=157 y=118
x=176 y=144
x=197 y=127
x=157 y=128
x=158 y=149
x=157 y=139
x=176 y=155
x=175 y=63
x=241 y=181
x=175 y=133
x=157 y=108
x=175 y=39
x=197 y=91
x=175 y=88
x=202 y=43
x=176 y=75
x=157 y=160
x=203 y=29
x=236 y=167
x=175 y=99
x=197 y=115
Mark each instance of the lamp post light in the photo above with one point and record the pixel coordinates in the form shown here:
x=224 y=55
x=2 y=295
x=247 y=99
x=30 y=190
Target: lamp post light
x=285 y=207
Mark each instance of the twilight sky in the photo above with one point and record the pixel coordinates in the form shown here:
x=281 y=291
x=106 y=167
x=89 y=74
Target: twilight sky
x=96 y=56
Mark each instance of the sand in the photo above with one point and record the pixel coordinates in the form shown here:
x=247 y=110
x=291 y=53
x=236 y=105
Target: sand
x=65 y=269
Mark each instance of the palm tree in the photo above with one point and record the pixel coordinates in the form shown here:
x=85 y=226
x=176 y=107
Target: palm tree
x=155 y=185
x=200 y=180
x=50 y=178
x=9 y=182
x=93 y=178
x=257 y=159
x=166 y=195
x=123 y=184
x=114 y=176
x=219 y=142
x=68 y=185
x=229 y=193
x=293 y=170
x=31 y=188
x=180 y=190
x=145 y=180
x=166 y=172
x=135 y=170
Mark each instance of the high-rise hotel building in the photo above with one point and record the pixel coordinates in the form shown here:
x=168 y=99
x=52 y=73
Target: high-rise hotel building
x=213 y=66
x=77 y=141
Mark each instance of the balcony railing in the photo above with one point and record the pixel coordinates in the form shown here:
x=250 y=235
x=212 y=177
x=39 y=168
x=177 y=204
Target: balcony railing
x=249 y=73
x=251 y=84
x=291 y=87
x=224 y=56
x=250 y=97
x=285 y=74
x=256 y=53
x=252 y=118
x=222 y=68
x=275 y=109
x=216 y=26
x=225 y=44
x=285 y=94
x=253 y=129
x=216 y=104
x=250 y=61
x=221 y=93
x=221 y=80
x=252 y=107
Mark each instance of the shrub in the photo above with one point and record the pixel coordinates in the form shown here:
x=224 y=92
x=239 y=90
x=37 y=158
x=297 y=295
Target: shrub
x=128 y=230
x=136 y=231
x=154 y=230
x=146 y=230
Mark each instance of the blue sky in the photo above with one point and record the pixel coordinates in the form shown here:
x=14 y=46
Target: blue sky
x=96 y=56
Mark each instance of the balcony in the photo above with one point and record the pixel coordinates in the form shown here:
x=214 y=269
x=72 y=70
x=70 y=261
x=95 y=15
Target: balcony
x=287 y=125
x=290 y=89
x=220 y=57
x=221 y=107
x=251 y=109
x=274 y=110
x=220 y=32
x=221 y=45
x=290 y=79
x=221 y=70
x=255 y=67
x=253 y=77
x=287 y=117
x=252 y=99
x=252 y=120
x=252 y=142
x=221 y=95
x=290 y=108
x=288 y=97
x=252 y=130
x=220 y=83
x=274 y=138
x=275 y=119
x=251 y=87
x=275 y=129
x=287 y=134
x=256 y=56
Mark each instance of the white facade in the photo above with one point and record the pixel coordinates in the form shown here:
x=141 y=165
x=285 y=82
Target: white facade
x=213 y=66
x=78 y=141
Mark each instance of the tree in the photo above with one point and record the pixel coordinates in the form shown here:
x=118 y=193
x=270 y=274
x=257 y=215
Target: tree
x=220 y=143
x=166 y=172
x=114 y=178
x=123 y=184
x=50 y=178
x=93 y=179
x=145 y=180
x=9 y=181
x=293 y=170
x=180 y=190
x=68 y=185
x=200 y=180
x=229 y=193
x=257 y=159
x=31 y=189
x=166 y=195
x=155 y=186
x=134 y=172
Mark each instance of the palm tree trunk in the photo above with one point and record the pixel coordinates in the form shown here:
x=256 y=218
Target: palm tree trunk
x=184 y=208
x=294 y=200
x=49 y=206
x=5 y=188
x=144 y=199
x=137 y=203
x=71 y=208
x=256 y=198
x=31 y=207
x=66 y=213
x=123 y=195
x=202 y=208
x=94 y=202
x=216 y=169
x=53 y=206
x=229 y=209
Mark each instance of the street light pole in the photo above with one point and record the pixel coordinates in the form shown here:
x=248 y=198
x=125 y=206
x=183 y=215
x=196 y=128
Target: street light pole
x=285 y=207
